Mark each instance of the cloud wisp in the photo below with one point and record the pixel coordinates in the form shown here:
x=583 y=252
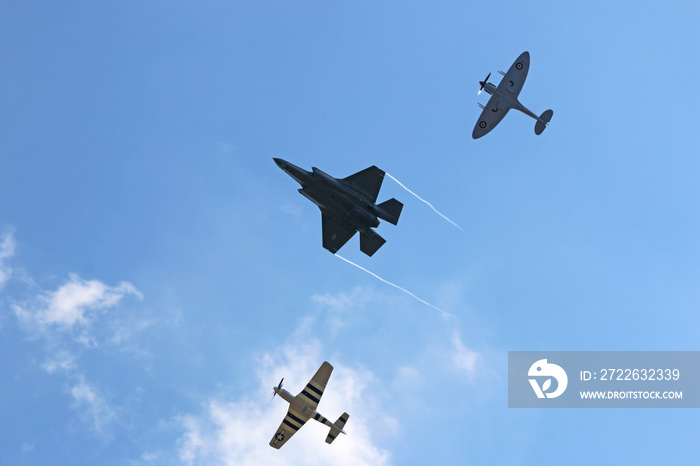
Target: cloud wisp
x=426 y=202
x=73 y=303
x=443 y=313
x=7 y=250
x=66 y=322
x=97 y=412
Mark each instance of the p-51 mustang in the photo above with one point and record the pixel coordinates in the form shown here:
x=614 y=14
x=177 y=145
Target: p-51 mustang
x=303 y=407
x=505 y=96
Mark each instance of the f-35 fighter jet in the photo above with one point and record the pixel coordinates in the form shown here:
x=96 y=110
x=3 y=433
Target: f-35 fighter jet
x=347 y=205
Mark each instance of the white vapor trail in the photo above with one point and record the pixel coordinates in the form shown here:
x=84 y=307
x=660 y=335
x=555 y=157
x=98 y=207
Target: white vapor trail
x=423 y=200
x=444 y=313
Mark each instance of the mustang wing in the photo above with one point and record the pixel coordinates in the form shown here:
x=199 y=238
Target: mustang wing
x=515 y=77
x=493 y=113
x=290 y=424
x=311 y=394
x=334 y=235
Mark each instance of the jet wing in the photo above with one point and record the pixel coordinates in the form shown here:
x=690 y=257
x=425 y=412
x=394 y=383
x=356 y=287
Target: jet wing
x=515 y=77
x=334 y=235
x=493 y=113
x=368 y=181
x=290 y=424
x=311 y=394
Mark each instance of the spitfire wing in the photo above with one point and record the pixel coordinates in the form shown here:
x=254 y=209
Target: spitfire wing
x=368 y=181
x=311 y=394
x=290 y=424
x=334 y=235
x=493 y=113
x=515 y=77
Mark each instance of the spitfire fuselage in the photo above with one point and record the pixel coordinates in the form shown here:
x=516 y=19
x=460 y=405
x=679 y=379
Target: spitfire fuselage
x=509 y=99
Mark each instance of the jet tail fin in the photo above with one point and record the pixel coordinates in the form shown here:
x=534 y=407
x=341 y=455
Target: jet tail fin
x=337 y=428
x=369 y=244
x=542 y=121
x=392 y=208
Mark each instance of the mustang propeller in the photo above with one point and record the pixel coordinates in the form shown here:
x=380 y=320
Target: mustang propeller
x=278 y=388
x=483 y=83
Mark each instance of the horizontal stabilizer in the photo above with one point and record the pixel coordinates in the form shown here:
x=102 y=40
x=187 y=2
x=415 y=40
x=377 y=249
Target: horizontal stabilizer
x=337 y=428
x=370 y=244
x=543 y=120
x=392 y=208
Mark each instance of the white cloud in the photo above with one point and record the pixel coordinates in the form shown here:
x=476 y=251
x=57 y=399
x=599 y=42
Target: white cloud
x=68 y=320
x=95 y=409
x=463 y=358
x=239 y=432
x=63 y=360
x=7 y=250
x=226 y=147
x=340 y=308
x=293 y=209
x=73 y=303
x=408 y=377
x=70 y=303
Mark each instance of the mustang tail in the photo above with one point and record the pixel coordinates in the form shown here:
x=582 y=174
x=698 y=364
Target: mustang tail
x=542 y=121
x=337 y=427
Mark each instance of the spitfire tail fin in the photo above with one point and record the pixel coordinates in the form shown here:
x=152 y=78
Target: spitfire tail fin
x=392 y=208
x=542 y=121
x=337 y=428
x=369 y=244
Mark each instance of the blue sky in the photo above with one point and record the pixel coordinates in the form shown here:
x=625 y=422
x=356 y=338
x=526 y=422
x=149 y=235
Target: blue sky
x=159 y=273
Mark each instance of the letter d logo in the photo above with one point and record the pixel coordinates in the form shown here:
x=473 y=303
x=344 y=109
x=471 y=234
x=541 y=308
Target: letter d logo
x=543 y=369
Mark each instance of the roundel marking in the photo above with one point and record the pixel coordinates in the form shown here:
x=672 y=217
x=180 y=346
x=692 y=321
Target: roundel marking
x=519 y=66
x=482 y=124
x=279 y=436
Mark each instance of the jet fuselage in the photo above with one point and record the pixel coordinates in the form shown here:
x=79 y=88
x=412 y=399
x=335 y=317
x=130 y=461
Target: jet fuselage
x=335 y=198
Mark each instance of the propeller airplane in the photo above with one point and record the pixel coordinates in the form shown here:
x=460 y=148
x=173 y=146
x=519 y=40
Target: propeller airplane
x=303 y=407
x=505 y=96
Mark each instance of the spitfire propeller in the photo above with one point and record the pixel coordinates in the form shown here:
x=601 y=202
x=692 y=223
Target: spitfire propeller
x=279 y=387
x=483 y=83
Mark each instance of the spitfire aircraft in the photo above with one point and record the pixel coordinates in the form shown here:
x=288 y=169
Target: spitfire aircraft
x=303 y=407
x=505 y=96
x=347 y=205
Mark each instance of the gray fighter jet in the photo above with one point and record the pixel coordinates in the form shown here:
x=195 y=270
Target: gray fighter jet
x=347 y=205
x=505 y=96
x=303 y=407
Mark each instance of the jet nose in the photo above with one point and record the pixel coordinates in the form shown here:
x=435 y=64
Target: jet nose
x=280 y=163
